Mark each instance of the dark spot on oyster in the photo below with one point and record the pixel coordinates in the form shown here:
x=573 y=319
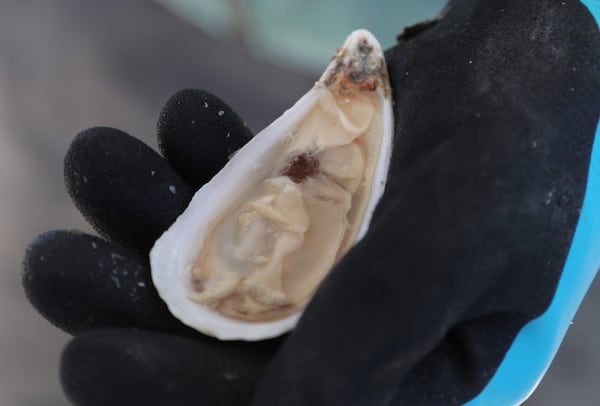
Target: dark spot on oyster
x=301 y=167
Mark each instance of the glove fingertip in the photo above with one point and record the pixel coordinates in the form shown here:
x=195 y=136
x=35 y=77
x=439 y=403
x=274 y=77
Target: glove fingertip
x=198 y=132
x=124 y=366
x=80 y=282
x=42 y=277
x=91 y=372
x=126 y=190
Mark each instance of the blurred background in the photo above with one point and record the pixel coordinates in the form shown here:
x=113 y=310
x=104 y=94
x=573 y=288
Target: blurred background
x=66 y=65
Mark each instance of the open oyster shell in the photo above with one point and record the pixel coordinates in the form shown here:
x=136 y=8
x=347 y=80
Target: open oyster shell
x=245 y=257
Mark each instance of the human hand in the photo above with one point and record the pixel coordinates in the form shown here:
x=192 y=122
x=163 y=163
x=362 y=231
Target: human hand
x=83 y=283
x=466 y=246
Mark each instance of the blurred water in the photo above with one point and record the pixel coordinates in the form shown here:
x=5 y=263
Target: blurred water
x=69 y=64
x=302 y=32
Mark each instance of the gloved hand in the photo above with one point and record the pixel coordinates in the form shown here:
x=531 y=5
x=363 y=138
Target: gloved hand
x=496 y=108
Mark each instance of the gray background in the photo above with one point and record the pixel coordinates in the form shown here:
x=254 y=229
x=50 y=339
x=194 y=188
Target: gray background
x=66 y=65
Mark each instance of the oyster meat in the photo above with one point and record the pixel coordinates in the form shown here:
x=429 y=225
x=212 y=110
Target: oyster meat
x=248 y=253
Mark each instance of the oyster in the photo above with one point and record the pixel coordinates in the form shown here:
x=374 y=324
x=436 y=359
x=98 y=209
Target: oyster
x=250 y=250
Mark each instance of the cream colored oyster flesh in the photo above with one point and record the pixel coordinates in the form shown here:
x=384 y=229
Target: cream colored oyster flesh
x=250 y=250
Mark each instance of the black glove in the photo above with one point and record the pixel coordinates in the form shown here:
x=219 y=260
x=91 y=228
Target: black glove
x=479 y=233
x=83 y=283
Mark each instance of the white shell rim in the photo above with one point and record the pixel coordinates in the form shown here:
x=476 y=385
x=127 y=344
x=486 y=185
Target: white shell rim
x=168 y=259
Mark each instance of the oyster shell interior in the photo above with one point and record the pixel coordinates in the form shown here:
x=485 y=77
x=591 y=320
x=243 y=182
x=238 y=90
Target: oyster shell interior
x=255 y=242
